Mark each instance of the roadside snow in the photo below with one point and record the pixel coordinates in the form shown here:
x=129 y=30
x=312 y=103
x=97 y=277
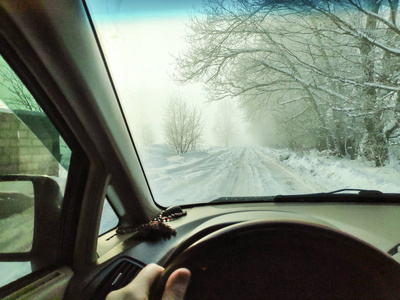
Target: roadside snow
x=333 y=173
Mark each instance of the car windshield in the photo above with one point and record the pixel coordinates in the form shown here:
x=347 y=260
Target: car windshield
x=257 y=98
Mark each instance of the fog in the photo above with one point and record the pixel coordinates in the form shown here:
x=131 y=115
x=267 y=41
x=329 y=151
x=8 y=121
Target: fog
x=141 y=55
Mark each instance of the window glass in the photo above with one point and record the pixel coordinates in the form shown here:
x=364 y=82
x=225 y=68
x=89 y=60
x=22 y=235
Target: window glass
x=34 y=162
x=232 y=98
x=109 y=219
x=13 y=271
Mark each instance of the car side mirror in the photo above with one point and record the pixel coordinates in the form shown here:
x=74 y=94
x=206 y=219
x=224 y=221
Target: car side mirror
x=26 y=201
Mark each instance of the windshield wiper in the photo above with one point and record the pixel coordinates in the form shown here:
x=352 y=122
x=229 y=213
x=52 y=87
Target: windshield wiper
x=361 y=192
x=243 y=199
x=343 y=195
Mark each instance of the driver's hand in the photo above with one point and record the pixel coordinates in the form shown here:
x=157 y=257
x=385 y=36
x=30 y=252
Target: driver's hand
x=139 y=288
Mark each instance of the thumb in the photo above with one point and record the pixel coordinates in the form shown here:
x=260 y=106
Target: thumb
x=176 y=285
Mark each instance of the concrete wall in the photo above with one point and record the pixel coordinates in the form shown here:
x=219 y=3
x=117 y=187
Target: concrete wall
x=21 y=152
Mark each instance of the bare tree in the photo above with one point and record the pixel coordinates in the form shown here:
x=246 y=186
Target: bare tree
x=20 y=97
x=183 y=124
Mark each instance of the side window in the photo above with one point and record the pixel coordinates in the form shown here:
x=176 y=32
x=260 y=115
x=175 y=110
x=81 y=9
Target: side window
x=34 y=162
x=109 y=219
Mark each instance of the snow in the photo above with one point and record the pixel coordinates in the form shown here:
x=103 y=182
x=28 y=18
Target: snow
x=109 y=219
x=16 y=232
x=390 y=126
x=202 y=176
x=333 y=173
x=4 y=108
x=16 y=235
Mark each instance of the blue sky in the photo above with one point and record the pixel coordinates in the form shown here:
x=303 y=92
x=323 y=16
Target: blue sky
x=128 y=9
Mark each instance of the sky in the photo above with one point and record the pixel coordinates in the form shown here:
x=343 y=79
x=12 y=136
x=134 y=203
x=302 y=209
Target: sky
x=110 y=10
x=140 y=40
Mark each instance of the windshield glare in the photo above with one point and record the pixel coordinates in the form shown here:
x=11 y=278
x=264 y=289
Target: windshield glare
x=257 y=98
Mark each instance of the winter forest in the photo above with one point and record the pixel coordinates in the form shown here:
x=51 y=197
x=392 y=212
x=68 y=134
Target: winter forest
x=327 y=70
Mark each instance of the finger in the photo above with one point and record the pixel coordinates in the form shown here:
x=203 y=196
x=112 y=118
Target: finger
x=139 y=288
x=145 y=278
x=176 y=285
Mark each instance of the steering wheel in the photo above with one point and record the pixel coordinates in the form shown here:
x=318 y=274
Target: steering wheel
x=284 y=260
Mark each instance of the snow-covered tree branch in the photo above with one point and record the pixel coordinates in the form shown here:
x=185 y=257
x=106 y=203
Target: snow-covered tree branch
x=334 y=61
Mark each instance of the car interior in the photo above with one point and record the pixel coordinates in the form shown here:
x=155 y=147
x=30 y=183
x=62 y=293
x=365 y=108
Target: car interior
x=322 y=246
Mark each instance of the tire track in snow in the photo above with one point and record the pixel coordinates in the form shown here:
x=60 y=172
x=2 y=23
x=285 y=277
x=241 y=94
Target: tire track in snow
x=235 y=171
x=289 y=181
x=246 y=183
x=195 y=180
x=258 y=175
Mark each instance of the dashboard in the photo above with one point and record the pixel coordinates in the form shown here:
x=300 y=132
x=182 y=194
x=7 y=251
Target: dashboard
x=377 y=225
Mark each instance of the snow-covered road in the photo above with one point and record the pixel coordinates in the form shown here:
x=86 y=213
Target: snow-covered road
x=260 y=175
x=220 y=172
x=202 y=176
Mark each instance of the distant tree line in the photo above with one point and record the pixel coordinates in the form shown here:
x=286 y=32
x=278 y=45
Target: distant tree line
x=328 y=70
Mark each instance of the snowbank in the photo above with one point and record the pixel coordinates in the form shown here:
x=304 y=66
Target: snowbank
x=333 y=173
